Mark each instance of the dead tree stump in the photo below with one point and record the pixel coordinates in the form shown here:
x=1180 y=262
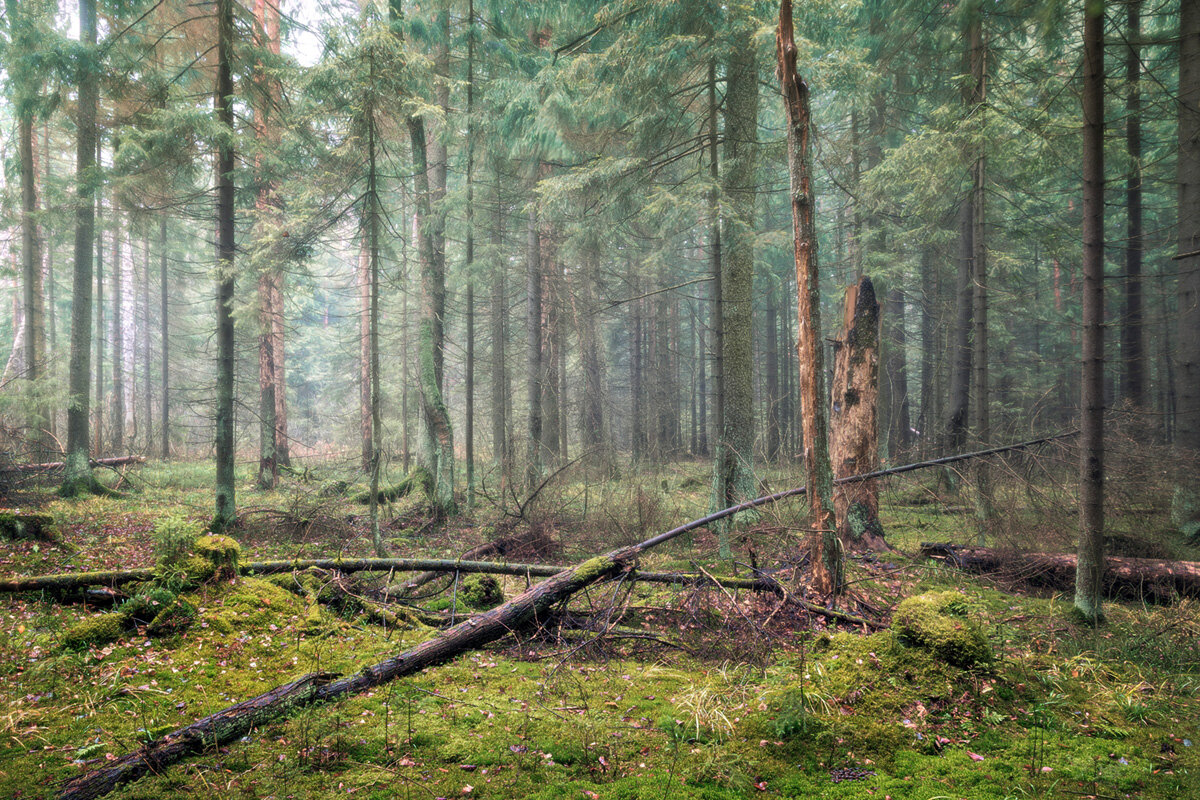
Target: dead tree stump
x=854 y=411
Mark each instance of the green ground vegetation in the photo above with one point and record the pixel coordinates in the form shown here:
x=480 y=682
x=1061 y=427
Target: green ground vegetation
x=729 y=697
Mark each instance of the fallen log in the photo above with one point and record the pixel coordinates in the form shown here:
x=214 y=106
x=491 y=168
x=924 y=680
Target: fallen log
x=52 y=466
x=1153 y=579
x=74 y=581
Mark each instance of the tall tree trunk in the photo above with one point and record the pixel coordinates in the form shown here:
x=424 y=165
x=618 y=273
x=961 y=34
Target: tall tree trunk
x=118 y=333
x=1187 y=177
x=364 y=352
x=733 y=479
x=278 y=353
x=551 y=340
x=101 y=338
x=439 y=449
x=78 y=474
x=469 y=426
x=31 y=274
x=1133 y=349
x=225 y=506
x=854 y=420
x=637 y=429
x=164 y=313
x=714 y=243
x=826 y=549
x=373 y=212
x=896 y=368
x=979 y=299
x=497 y=314
x=592 y=430
x=771 y=343
x=147 y=378
x=533 y=348
x=928 y=415
x=272 y=434
x=962 y=354
x=1088 y=576
x=51 y=283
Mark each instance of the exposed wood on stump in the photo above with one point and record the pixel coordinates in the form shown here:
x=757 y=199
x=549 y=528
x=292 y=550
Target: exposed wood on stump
x=854 y=434
x=1135 y=578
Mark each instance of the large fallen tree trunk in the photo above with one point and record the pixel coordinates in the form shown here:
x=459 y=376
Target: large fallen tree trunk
x=52 y=466
x=1131 y=578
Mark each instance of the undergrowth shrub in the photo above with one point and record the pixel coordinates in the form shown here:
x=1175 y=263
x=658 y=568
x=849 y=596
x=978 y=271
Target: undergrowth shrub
x=174 y=539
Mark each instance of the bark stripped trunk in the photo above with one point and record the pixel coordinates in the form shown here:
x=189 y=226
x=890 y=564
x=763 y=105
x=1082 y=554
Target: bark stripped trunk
x=1089 y=576
x=826 y=549
x=854 y=435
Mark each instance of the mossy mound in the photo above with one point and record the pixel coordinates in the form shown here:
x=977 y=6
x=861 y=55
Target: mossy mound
x=222 y=551
x=147 y=605
x=176 y=617
x=96 y=629
x=39 y=527
x=938 y=622
x=481 y=592
x=251 y=604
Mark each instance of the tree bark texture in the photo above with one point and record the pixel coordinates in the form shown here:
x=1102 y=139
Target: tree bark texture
x=1088 y=577
x=826 y=549
x=854 y=420
x=734 y=478
x=1133 y=350
x=439 y=438
x=78 y=475
x=980 y=393
x=225 y=507
x=165 y=391
x=1187 y=177
x=117 y=263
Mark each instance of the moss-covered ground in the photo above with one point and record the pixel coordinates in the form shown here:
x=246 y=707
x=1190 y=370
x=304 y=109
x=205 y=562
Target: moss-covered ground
x=696 y=694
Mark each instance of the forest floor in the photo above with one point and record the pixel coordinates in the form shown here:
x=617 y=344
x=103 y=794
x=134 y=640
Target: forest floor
x=699 y=693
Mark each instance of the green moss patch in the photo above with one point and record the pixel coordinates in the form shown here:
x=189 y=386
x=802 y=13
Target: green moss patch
x=939 y=622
